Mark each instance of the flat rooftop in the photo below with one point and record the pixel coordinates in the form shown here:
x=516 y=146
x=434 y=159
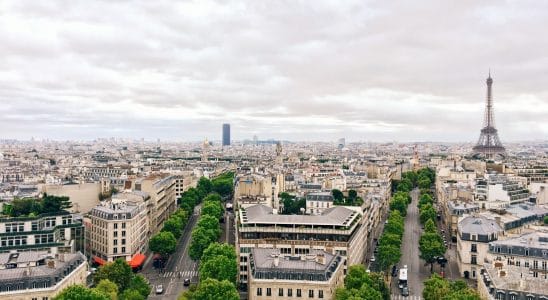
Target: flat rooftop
x=262 y=214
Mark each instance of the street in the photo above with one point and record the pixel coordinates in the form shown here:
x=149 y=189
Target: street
x=417 y=271
x=178 y=267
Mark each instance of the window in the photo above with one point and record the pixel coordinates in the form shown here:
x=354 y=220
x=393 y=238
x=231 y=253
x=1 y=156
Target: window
x=268 y=291
x=124 y=225
x=123 y=241
x=544 y=265
x=259 y=291
x=115 y=225
x=474 y=260
x=243 y=258
x=526 y=264
x=116 y=234
x=123 y=249
x=535 y=264
x=298 y=292
x=115 y=250
x=289 y=292
x=124 y=233
x=513 y=297
x=474 y=248
x=320 y=294
x=115 y=242
x=310 y=293
x=280 y=292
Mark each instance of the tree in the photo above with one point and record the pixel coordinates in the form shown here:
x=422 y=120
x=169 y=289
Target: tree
x=201 y=238
x=430 y=227
x=79 y=292
x=140 y=283
x=107 y=287
x=546 y=220
x=209 y=222
x=427 y=212
x=435 y=288
x=388 y=255
x=163 y=243
x=394 y=227
x=25 y=206
x=212 y=208
x=405 y=185
x=53 y=204
x=390 y=239
x=131 y=294
x=338 y=196
x=356 y=276
x=378 y=283
x=118 y=272
x=400 y=205
x=214 y=289
x=219 y=267
x=204 y=186
x=425 y=199
x=431 y=246
x=223 y=187
x=215 y=249
x=424 y=183
x=174 y=225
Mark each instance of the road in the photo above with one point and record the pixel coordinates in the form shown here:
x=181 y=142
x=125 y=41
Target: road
x=417 y=271
x=178 y=263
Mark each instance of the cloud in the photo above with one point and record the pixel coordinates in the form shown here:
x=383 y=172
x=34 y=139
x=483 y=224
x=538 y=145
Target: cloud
x=289 y=70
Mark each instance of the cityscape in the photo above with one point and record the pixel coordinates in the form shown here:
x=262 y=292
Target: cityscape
x=250 y=150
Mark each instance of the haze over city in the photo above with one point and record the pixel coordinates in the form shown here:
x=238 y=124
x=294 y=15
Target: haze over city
x=315 y=71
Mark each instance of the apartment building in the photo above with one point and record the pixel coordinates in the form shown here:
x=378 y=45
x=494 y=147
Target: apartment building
x=316 y=203
x=454 y=210
x=120 y=229
x=498 y=191
x=39 y=275
x=474 y=235
x=501 y=281
x=251 y=189
x=315 y=275
x=337 y=230
x=60 y=232
x=163 y=200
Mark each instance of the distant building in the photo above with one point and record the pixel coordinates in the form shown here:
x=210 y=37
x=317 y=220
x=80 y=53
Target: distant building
x=315 y=275
x=316 y=203
x=226 y=134
x=163 y=199
x=503 y=281
x=39 y=274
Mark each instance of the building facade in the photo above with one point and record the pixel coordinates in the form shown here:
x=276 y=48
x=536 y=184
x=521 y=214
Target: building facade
x=226 y=134
x=39 y=275
x=315 y=275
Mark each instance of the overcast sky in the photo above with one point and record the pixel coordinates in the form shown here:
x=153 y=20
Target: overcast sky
x=294 y=70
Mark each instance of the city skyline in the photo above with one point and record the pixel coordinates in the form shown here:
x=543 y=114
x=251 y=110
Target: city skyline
x=179 y=71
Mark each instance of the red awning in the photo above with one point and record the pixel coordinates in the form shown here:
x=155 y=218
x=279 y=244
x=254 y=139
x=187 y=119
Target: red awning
x=99 y=260
x=137 y=260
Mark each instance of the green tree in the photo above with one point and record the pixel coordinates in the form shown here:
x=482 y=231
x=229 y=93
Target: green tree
x=163 y=243
x=356 y=276
x=223 y=187
x=213 y=197
x=118 y=272
x=79 y=292
x=212 y=208
x=388 y=255
x=394 y=227
x=219 y=267
x=131 y=294
x=405 y=185
x=399 y=204
x=200 y=240
x=210 y=289
x=215 y=249
x=204 y=186
x=107 y=287
x=140 y=283
x=209 y=222
x=424 y=183
x=24 y=207
x=427 y=212
x=425 y=199
x=431 y=246
x=430 y=227
x=546 y=220
x=53 y=204
x=174 y=225
x=435 y=288
x=338 y=197
x=378 y=283
x=390 y=240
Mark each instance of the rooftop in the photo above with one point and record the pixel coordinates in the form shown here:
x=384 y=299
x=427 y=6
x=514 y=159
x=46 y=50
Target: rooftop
x=514 y=278
x=479 y=225
x=262 y=214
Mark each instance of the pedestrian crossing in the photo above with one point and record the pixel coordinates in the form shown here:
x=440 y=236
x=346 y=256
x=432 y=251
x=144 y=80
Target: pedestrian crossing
x=400 y=297
x=184 y=274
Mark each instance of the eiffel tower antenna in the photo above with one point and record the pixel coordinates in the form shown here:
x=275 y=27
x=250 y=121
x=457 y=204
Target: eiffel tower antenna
x=489 y=145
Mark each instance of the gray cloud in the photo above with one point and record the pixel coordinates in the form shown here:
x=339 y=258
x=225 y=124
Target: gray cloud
x=290 y=70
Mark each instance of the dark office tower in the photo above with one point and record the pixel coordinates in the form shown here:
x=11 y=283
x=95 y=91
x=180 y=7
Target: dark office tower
x=226 y=134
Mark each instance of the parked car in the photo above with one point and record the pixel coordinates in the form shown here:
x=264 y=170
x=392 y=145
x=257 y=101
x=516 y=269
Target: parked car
x=394 y=271
x=159 y=289
x=186 y=282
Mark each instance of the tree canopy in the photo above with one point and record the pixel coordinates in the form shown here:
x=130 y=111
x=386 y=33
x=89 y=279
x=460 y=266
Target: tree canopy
x=163 y=243
x=431 y=246
x=213 y=289
x=437 y=288
x=118 y=272
x=79 y=292
x=358 y=284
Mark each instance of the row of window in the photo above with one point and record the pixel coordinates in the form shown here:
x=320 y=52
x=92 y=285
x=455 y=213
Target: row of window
x=298 y=292
x=15 y=227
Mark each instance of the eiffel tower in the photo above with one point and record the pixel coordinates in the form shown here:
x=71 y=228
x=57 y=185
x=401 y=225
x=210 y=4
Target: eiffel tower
x=489 y=145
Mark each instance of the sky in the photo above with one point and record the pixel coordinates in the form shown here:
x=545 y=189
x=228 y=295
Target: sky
x=292 y=70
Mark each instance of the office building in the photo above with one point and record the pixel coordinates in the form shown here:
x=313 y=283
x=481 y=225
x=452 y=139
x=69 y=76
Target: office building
x=226 y=134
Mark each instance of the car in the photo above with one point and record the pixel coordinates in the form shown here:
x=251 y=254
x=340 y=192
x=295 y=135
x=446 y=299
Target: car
x=186 y=282
x=394 y=271
x=405 y=291
x=159 y=289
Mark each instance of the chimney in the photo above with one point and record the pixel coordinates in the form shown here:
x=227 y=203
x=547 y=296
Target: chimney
x=320 y=258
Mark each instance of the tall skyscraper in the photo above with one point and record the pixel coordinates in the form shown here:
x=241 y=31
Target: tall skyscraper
x=226 y=134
